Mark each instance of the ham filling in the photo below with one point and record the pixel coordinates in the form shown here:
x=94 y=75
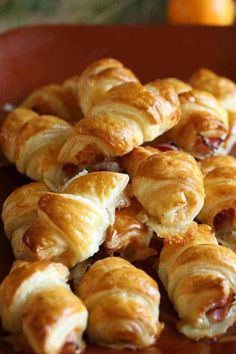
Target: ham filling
x=219 y=312
x=207 y=146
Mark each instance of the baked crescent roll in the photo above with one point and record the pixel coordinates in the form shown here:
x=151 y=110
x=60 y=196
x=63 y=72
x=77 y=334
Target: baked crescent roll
x=18 y=213
x=123 y=304
x=36 y=302
x=129 y=115
x=225 y=91
x=200 y=278
x=203 y=126
x=70 y=226
x=32 y=142
x=98 y=78
x=179 y=85
x=128 y=237
x=169 y=186
x=58 y=100
x=219 y=210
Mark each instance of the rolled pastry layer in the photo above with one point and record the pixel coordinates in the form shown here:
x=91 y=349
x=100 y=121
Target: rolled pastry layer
x=169 y=186
x=123 y=304
x=200 y=278
x=36 y=301
x=66 y=227
x=219 y=210
x=129 y=115
x=225 y=91
x=32 y=143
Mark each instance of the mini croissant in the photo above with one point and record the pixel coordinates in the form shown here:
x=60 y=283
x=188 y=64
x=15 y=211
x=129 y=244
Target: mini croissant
x=58 y=100
x=129 y=115
x=123 y=304
x=65 y=227
x=200 y=278
x=225 y=91
x=128 y=237
x=36 y=301
x=96 y=80
x=219 y=210
x=203 y=126
x=169 y=186
x=32 y=142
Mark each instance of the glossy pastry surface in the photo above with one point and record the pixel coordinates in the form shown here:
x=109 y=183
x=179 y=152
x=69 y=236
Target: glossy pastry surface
x=169 y=186
x=36 y=302
x=201 y=273
x=66 y=227
x=57 y=100
x=129 y=115
x=98 y=78
x=219 y=210
x=203 y=126
x=225 y=92
x=123 y=304
x=127 y=236
x=32 y=142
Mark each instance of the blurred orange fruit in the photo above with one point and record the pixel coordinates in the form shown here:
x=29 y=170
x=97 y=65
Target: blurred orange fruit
x=204 y=12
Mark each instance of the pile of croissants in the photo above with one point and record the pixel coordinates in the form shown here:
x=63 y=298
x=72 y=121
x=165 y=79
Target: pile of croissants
x=117 y=165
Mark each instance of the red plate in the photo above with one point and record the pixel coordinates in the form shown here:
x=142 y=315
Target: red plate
x=34 y=56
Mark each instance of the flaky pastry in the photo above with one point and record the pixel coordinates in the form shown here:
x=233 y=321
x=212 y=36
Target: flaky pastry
x=225 y=91
x=127 y=236
x=36 y=301
x=129 y=115
x=123 y=304
x=98 y=78
x=219 y=210
x=32 y=143
x=58 y=100
x=200 y=278
x=67 y=227
x=169 y=186
x=203 y=126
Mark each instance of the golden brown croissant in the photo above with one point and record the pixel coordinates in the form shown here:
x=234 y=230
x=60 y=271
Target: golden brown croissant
x=18 y=213
x=169 y=186
x=225 y=91
x=58 y=100
x=123 y=304
x=129 y=115
x=200 y=278
x=203 y=126
x=179 y=85
x=70 y=226
x=36 y=301
x=128 y=237
x=32 y=142
x=100 y=76
x=219 y=210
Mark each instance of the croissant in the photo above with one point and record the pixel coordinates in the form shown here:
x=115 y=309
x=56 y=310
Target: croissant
x=179 y=85
x=66 y=227
x=33 y=142
x=100 y=76
x=225 y=91
x=200 y=278
x=129 y=115
x=203 y=126
x=219 y=210
x=57 y=100
x=169 y=186
x=123 y=304
x=36 y=301
x=18 y=213
x=128 y=237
